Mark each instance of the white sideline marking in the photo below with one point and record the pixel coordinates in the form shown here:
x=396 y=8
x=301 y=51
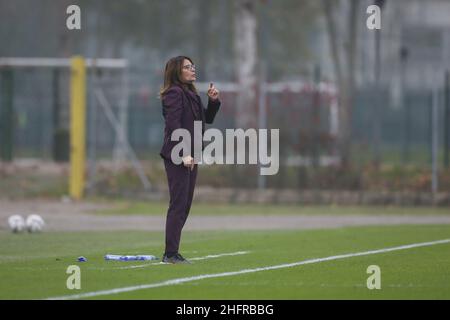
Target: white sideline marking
x=233 y=273
x=219 y=255
x=190 y=259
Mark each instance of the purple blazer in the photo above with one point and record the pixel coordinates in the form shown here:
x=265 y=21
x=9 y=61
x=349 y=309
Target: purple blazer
x=180 y=111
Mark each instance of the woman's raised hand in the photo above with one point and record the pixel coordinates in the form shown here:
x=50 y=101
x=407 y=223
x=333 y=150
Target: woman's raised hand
x=213 y=93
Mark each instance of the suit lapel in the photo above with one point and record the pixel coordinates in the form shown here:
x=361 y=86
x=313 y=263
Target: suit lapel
x=193 y=108
x=202 y=111
x=190 y=97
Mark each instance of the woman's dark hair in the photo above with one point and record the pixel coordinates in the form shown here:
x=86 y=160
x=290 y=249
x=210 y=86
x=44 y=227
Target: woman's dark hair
x=172 y=74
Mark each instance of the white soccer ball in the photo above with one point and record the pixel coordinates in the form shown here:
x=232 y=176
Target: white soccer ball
x=16 y=223
x=35 y=223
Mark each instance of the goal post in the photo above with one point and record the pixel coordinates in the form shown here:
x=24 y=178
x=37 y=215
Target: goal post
x=84 y=75
x=77 y=127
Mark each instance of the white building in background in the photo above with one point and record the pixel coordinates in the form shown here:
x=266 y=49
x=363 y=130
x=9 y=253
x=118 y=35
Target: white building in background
x=420 y=27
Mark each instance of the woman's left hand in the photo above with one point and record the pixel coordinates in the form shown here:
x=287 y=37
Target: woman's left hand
x=213 y=93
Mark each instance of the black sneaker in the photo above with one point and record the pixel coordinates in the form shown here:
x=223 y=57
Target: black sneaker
x=175 y=259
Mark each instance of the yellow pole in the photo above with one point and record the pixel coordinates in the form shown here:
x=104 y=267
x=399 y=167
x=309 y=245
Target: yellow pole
x=77 y=127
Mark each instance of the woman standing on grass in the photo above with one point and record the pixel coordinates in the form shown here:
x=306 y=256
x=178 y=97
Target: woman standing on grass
x=181 y=107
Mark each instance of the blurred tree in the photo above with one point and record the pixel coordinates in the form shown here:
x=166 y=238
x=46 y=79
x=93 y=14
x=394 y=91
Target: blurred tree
x=291 y=31
x=344 y=58
x=246 y=56
x=204 y=13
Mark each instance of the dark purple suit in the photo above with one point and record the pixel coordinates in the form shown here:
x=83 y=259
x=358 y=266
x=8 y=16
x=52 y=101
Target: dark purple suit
x=181 y=108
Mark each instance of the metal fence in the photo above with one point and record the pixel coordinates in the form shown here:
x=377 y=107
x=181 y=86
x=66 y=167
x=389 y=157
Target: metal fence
x=305 y=116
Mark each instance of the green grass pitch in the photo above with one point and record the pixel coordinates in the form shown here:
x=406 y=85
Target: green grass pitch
x=33 y=266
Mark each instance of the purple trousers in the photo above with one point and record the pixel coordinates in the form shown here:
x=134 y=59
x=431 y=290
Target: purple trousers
x=181 y=188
